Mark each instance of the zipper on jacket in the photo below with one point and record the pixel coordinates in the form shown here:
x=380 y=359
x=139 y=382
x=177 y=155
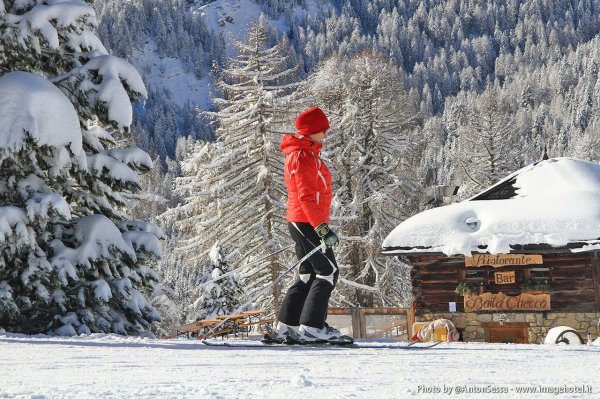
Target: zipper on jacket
x=318 y=198
x=319 y=163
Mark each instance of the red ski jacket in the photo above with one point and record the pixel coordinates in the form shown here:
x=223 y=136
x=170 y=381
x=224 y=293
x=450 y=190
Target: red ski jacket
x=307 y=180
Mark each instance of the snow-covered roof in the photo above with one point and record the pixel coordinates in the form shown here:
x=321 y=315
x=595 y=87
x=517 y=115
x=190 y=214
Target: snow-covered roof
x=550 y=204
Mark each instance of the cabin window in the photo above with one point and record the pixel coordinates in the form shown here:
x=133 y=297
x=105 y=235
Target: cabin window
x=540 y=274
x=475 y=276
x=537 y=279
x=472 y=281
x=511 y=281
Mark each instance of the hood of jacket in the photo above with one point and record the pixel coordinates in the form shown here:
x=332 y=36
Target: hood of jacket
x=291 y=143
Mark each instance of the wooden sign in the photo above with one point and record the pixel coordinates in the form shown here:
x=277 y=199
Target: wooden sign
x=503 y=260
x=504 y=277
x=489 y=301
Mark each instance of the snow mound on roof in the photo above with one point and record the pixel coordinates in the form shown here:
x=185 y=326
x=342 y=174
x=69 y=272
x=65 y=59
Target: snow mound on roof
x=555 y=175
x=557 y=202
x=32 y=106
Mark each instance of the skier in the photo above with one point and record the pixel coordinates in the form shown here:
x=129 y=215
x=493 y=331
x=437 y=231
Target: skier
x=308 y=182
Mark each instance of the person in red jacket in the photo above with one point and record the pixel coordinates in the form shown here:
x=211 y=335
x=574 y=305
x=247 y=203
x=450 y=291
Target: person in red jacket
x=304 y=310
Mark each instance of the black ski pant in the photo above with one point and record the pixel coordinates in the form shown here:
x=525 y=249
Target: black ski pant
x=307 y=299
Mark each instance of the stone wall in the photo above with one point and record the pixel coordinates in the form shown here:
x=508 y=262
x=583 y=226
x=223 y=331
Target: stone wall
x=471 y=323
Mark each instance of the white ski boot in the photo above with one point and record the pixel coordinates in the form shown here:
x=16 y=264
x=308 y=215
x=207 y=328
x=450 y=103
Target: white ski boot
x=327 y=334
x=282 y=334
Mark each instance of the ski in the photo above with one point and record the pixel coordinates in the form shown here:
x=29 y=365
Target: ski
x=260 y=345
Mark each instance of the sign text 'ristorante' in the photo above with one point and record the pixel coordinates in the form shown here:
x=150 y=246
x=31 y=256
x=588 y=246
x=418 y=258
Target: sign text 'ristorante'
x=503 y=260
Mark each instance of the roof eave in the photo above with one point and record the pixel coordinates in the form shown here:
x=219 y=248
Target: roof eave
x=520 y=249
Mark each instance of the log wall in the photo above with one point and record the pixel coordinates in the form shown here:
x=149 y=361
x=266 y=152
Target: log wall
x=573 y=281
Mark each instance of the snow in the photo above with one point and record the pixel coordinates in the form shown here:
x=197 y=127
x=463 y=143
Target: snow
x=232 y=18
x=31 y=184
x=134 y=157
x=40 y=204
x=569 y=334
x=216 y=273
x=87 y=40
x=94 y=134
x=169 y=75
x=46 y=18
x=103 y=163
x=101 y=290
x=106 y=365
x=134 y=225
x=215 y=254
x=29 y=103
x=241 y=13
x=11 y=218
x=557 y=202
x=115 y=71
x=5 y=291
x=98 y=236
x=140 y=239
x=64 y=13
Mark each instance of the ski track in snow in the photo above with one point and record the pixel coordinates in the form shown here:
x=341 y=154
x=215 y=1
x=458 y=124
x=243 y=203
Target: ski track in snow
x=101 y=366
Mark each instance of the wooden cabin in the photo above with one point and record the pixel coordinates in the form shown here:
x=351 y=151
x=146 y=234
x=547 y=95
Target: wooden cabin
x=513 y=285
x=515 y=298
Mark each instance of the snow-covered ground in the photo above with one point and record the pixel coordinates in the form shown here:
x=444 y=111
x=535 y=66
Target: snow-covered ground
x=103 y=366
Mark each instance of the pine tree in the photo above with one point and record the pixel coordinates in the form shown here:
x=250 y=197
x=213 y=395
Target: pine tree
x=488 y=146
x=71 y=260
x=236 y=184
x=221 y=297
x=372 y=118
x=157 y=186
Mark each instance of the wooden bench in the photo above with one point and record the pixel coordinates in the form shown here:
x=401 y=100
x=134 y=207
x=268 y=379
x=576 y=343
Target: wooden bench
x=241 y=326
x=233 y=324
x=259 y=322
x=254 y=312
x=232 y=317
x=219 y=333
x=199 y=325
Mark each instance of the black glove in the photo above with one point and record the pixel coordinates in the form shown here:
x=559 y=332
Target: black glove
x=327 y=236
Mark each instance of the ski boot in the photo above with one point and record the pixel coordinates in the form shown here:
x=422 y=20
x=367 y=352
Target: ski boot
x=325 y=335
x=283 y=334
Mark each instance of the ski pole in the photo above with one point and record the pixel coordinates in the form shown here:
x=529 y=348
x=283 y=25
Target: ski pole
x=268 y=287
x=222 y=276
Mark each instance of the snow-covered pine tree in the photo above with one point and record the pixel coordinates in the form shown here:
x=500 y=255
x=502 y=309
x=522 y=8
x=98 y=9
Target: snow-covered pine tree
x=71 y=261
x=179 y=274
x=372 y=119
x=219 y=297
x=236 y=185
x=156 y=197
x=486 y=146
x=586 y=94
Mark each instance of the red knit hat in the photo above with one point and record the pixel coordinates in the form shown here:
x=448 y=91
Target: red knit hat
x=312 y=121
